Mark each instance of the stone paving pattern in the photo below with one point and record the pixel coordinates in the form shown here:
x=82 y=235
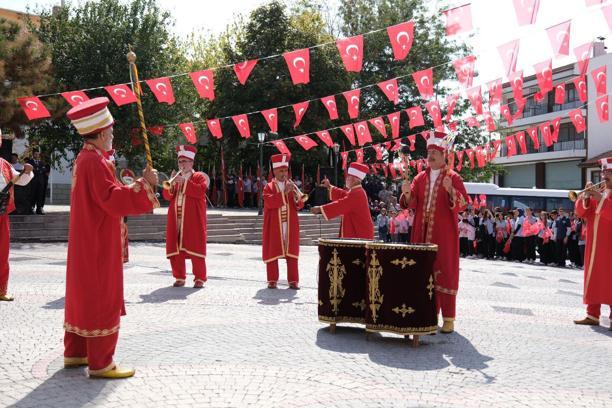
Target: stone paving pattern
x=235 y=343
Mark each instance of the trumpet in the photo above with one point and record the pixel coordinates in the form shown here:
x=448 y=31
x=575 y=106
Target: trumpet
x=573 y=195
x=167 y=184
x=299 y=196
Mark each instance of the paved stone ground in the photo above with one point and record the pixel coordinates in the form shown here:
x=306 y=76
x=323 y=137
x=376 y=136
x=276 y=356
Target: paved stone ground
x=237 y=344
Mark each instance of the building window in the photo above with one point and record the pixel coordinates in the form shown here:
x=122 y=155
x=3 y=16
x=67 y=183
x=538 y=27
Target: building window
x=596 y=176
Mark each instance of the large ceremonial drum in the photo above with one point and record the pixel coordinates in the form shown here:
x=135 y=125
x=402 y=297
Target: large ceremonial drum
x=342 y=281
x=400 y=286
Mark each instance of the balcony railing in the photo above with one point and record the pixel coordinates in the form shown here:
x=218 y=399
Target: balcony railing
x=568 y=145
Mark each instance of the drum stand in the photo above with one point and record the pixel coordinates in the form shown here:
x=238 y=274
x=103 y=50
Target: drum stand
x=332 y=328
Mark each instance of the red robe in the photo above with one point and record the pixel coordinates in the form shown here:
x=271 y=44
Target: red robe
x=597 y=254
x=442 y=228
x=7 y=171
x=274 y=246
x=94 y=272
x=188 y=233
x=353 y=208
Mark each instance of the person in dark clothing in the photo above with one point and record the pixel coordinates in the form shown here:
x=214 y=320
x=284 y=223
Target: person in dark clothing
x=38 y=188
x=517 y=245
x=562 y=226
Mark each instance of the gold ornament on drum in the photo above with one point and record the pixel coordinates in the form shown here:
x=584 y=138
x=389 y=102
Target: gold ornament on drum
x=404 y=262
x=375 y=271
x=403 y=310
x=336 y=272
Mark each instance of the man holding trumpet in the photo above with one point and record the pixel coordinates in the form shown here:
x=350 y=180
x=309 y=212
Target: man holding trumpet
x=186 y=227
x=594 y=204
x=281 y=227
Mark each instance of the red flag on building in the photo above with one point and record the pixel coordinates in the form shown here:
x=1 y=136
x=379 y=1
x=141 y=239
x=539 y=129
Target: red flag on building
x=298 y=62
x=520 y=138
x=546 y=134
x=516 y=83
x=205 y=83
x=543 y=72
x=600 y=79
x=504 y=110
x=401 y=37
x=581 y=88
x=533 y=135
x=511 y=143
x=495 y=92
x=351 y=52
x=602 y=108
x=578 y=120
x=583 y=54
x=560 y=94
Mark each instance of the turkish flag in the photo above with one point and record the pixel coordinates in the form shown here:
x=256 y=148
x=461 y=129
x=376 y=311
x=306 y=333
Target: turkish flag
x=379 y=152
x=424 y=82
x=495 y=92
x=306 y=142
x=509 y=54
x=472 y=121
x=581 y=88
x=204 y=82
x=363 y=133
x=401 y=37
x=546 y=135
x=243 y=70
x=458 y=19
x=121 y=94
x=433 y=107
x=602 y=108
x=189 y=132
x=281 y=146
x=504 y=110
x=214 y=127
x=520 y=106
x=242 y=124
x=470 y=155
x=351 y=52
x=556 y=124
x=325 y=138
x=464 y=68
x=494 y=149
x=392 y=171
x=298 y=62
x=544 y=75
x=397 y=146
x=162 y=89
x=300 y=110
x=607 y=12
x=516 y=82
x=600 y=79
x=415 y=117
x=560 y=93
x=511 y=143
x=475 y=97
x=352 y=102
x=526 y=11
x=156 y=130
x=349 y=132
x=359 y=154
x=33 y=108
x=344 y=156
x=412 y=140
x=271 y=117
x=583 y=54
x=394 y=120
x=379 y=124
x=451 y=101
x=533 y=135
x=330 y=104
x=390 y=90
x=75 y=98
x=520 y=137
x=488 y=118
x=577 y=119
x=425 y=136
x=459 y=160
x=481 y=156
x=559 y=36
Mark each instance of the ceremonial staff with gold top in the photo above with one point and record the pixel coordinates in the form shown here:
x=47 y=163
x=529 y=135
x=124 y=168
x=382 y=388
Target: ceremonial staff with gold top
x=131 y=57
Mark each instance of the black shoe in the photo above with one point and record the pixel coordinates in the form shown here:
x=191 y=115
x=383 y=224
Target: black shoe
x=40 y=212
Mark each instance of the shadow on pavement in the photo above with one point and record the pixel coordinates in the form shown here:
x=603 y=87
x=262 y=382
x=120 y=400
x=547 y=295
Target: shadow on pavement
x=602 y=330
x=434 y=353
x=275 y=296
x=166 y=294
x=76 y=390
x=55 y=304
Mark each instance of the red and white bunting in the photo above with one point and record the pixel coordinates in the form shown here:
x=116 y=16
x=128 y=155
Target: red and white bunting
x=349 y=132
x=472 y=121
x=243 y=70
x=412 y=140
x=162 y=89
x=394 y=120
x=581 y=88
x=325 y=138
x=600 y=76
x=424 y=82
x=464 y=68
x=401 y=37
x=543 y=72
x=390 y=90
x=189 y=131
x=602 y=108
x=75 y=98
x=495 y=92
x=214 y=127
x=546 y=133
x=359 y=154
x=504 y=110
x=458 y=19
x=516 y=82
x=204 y=82
x=494 y=149
x=271 y=117
x=330 y=104
x=560 y=93
x=352 y=102
x=520 y=138
x=306 y=142
x=281 y=146
x=451 y=102
x=33 y=108
x=509 y=55
x=363 y=133
x=583 y=55
x=344 y=156
x=433 y=107
x=415 y=117
x=556 y=125
x=520 y=107
x=459 y=160
x=511 y=144
x=577 y=119
x=559 y=36
x=121 y=94
x=379 y=124
x=242 y=124
x=475 y=96
x=526 y=11
x=299 y=109
x=379 y=151
x=490 y=122
x=351 y=52
x=470 y=155
x=298 y=62
x=533 y=135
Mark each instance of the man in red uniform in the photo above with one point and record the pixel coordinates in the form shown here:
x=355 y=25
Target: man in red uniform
x=281 y=226
x=596 y=208
x=437 y=195
x=94 y=272
x=186 y=228
x=8 y=174
x=351 y=205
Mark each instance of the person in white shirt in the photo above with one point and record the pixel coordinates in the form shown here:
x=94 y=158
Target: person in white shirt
x=517 y=247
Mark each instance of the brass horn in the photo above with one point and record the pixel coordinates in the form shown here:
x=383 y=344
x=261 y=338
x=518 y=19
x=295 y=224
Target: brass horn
x=573 y=195
x=167 y=184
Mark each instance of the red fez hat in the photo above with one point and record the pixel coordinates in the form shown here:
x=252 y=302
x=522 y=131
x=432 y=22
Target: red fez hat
x=439 y=141
x=91 y=116
x=606 y=164
x=358 y=170
x=186 y=151
x=280 y=160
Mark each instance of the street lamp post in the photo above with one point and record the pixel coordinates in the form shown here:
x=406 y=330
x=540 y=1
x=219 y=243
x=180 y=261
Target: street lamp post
x=336 y=150
x=261 y=136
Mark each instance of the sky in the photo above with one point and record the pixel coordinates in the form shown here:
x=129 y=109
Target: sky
x=494 y=24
